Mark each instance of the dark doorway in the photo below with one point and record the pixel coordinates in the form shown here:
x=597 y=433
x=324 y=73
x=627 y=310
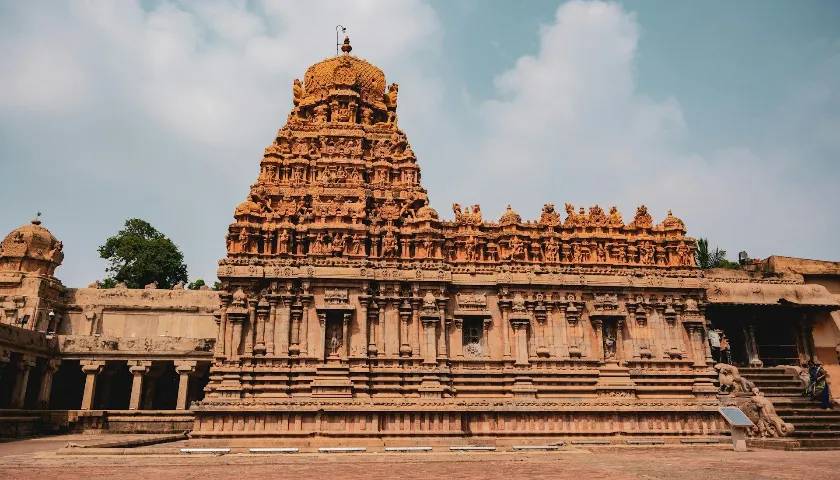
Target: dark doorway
x=776 y=341
x=68 y=386
x=8 y=377
x=161 y=387
x=113 y=387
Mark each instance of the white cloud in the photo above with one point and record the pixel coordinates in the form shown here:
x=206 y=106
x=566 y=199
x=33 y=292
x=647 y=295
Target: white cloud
x=162 y=110
x=568 y=123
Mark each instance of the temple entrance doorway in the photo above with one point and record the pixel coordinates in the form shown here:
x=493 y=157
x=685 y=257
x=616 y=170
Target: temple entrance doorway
x=768 y=337
x=777 y=343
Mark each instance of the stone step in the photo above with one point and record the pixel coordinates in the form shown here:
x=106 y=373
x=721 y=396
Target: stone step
x=761 y=370
x=812 y=433
x=809 y=426
x=772 y=391
x=814 y=418
x=818 y=444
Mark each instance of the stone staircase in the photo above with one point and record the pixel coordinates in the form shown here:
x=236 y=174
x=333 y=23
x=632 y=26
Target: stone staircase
x=816 y=428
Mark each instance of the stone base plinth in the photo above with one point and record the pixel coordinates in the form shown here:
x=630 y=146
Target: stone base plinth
x=400 y=418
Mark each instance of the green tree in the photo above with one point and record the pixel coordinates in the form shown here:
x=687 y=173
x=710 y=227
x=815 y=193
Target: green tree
x=707 y=258
x=139 y=255
x=196 y=284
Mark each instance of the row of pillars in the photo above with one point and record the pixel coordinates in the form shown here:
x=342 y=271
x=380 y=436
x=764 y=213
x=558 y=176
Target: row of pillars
x=25 y=364
x=138 y=369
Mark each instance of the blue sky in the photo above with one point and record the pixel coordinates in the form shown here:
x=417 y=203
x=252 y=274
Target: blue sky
x=726 y=112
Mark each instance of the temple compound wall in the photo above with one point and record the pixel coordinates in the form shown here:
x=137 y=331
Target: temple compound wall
x=350 y=309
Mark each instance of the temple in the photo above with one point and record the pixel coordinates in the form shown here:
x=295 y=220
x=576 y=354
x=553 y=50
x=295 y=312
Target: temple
x=351 y=309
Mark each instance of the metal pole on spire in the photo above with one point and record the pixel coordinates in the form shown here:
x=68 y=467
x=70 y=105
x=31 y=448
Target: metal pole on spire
x=338 y=28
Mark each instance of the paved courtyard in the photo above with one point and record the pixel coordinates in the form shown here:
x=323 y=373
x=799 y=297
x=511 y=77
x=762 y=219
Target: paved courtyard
x=37 y=459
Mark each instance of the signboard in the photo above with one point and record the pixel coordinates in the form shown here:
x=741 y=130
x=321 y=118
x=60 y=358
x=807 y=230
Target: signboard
x=735 y=417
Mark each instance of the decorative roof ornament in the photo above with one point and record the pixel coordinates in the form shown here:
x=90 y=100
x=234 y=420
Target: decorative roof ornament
x=673 y=223
x=346 y=47
x=642 y=219
x=510 y=217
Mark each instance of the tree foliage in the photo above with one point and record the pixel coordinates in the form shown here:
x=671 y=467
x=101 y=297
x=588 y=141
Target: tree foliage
x=707 y=258
x=139 y=254
x=196 y=284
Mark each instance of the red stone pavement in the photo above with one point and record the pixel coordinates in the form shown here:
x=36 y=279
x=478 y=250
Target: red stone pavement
x=614 y=463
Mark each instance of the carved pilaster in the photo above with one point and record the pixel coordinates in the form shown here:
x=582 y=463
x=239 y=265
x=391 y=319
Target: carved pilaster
x=405 y=315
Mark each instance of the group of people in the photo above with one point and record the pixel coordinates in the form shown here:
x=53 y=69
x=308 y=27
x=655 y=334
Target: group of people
x=721 y=352
x=817 y=388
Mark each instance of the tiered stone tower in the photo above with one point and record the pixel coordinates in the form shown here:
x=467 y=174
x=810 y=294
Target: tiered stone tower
x=351 y=309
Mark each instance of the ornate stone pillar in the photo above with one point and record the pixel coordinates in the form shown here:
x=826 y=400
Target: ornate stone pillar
x=575 y=331
x=47 y=374
x=620 y=354
x=284 y=325
x=598 y=327
x=138 y=369
x=184 y=369
x=306 y=302
x=373 y=320
x=520 y=334
x=806 y=332
x=361 y=341
x=24 y=366
x=236 y=334
x=270 y=339
x=541 y=316
x=417 y=328
x=296 y=314
x=698 y=350
x=345 y=326
x=382 y=326
x=444 y=350
x=221 y=322
x=261 y=312
x=405 y=315
x=752 y=345
x=504 y=307
x=560 y=331
x=322 y=338
x=457 y=339
x=430 y=353
x=486 y=325
x=91 y=369
x=249 y=329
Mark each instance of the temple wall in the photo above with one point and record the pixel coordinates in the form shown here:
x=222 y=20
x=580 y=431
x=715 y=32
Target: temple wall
x=140 y=313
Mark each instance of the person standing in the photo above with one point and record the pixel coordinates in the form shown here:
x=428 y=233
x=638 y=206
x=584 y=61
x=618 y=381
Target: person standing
x=725 y=349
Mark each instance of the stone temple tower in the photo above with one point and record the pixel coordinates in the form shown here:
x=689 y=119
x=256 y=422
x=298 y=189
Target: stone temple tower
x=350 y=308
x=29 y=291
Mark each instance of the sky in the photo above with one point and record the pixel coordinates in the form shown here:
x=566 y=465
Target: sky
x=728 y=113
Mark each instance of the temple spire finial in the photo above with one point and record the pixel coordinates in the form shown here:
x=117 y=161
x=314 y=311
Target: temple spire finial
x=37 y=219
x=339 y=46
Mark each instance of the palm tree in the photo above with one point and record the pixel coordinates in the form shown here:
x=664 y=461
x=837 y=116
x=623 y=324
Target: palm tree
x=708 y=259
